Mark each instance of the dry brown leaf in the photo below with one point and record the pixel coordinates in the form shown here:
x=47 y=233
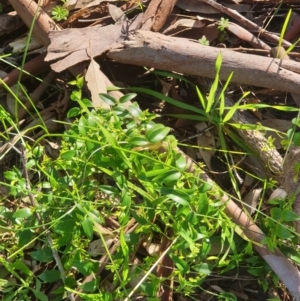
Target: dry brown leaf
x=116 y=13
x=70 y=45
x=293 y=30
x=247 y=36
x=186 y=23
x=251 y=200
x=157 y=14
x=96 y=83
x=97 y=247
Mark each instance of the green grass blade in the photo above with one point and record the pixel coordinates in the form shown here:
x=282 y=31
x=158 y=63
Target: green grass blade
x=283 y=30
x=167 y=99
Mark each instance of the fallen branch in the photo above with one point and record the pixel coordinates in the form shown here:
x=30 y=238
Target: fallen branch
x=155 y=50
x=30 y=12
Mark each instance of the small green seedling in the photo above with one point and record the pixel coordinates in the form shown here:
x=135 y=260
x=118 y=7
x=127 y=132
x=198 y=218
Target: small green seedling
x=59 y=12
x=223 y=24
x=204 y=41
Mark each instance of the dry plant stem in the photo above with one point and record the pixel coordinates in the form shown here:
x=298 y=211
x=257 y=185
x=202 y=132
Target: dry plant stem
x=29 y=12
x=247 y=36
x=155 y=50
x=40 y=220
x=35 y=66
x=245 y=22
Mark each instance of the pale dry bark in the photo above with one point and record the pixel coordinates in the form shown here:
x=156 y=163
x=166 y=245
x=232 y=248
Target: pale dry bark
x=30 y=12
x=155 y=50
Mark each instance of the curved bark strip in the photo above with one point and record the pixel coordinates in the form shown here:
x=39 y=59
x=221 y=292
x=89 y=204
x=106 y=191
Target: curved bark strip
x=30 y=11
x=155 y=50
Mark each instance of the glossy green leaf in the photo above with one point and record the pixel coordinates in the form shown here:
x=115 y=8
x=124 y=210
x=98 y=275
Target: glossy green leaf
x=68 y=155
x=108 y=99
x=91 y=286
x=125 y=200
x=169 y=176
x=134 y=111
x=203 y=268
x=42 y=255
x=10 y=175
x=87 y=103
x=109 y=189
x=50 y=276
x=84 y=267
x=138 y=141
x=23 y=213
x=25 y=237
x=87 y=226
x=73 y=112
x=21 y=266
x=289 y=216
x=38 y=151
x=181 y=264
x=30 y=163
x=155 y=172
x=282 y=232
x=157 y=133
x=202 y=204
x=291 y=253
x=205 y=187
x=39 y=295
x=46 y=185
x=127 y=97
x=180 y=161
x=275 y=213
x=65 y=225
x=82 y=126
x=176 y=195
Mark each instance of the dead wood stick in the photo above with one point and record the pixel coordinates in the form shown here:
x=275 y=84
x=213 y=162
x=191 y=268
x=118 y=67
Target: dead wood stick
x=29 y=12
x=155 y=50
x=245 y=22
x=35 y=66
x=156 y=14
